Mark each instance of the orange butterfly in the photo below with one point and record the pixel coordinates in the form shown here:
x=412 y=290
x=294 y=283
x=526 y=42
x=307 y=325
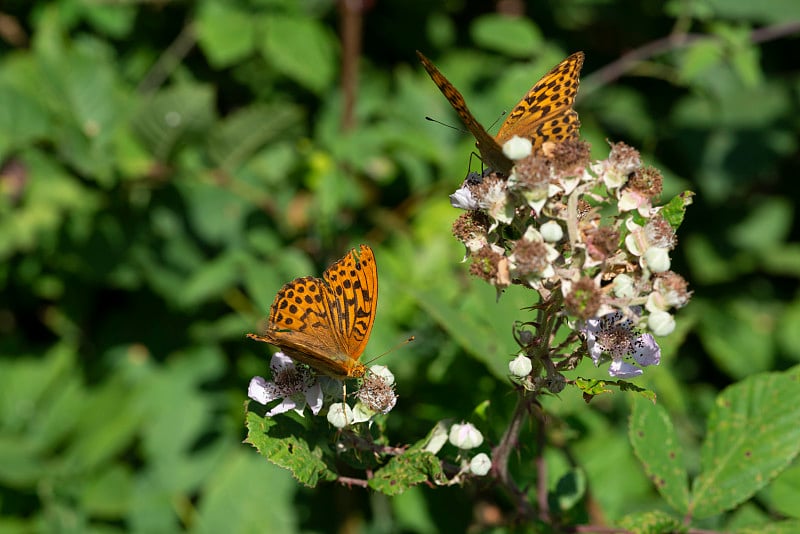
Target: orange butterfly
x=544 y=114
x=325 y=323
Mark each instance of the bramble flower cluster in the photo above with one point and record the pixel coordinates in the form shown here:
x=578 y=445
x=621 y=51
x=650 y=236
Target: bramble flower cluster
x=588 y=238
x=297 y=385
x=465 y=437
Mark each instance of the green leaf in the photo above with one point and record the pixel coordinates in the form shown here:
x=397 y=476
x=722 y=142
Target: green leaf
x=570 y=489
x=225 y=33
x=116 y=20
x=656 y=445
x=217 y=213
x=412 y=513
x=302 y=49
x=787 y=332
x=753 y=435
x=699 y=58
x=780 y=527
x=233 y=491
x=173 y=116
x=783 y=494
x=241 y=134
x=766 y=227
x=515 y=36
x=674 y=210
x=212 y=279
x=405 y=471
x=592 y=387
x=652 y=523
x=287 y=451
x=738 y=334
x=467 y=322
x=108 y=493
x=22 y=120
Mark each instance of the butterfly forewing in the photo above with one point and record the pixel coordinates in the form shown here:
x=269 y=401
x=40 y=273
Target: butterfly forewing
x=353 y=281
x=545 y=113
x=325 y=323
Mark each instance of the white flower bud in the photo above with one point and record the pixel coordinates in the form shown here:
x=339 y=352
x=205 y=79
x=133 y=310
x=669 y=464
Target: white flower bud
x=340 y=415
x=517 y=148
x=465 y=436
x=520 y=366
x=551 y=231
x=657 y=259
x=623 y=286
x=480 y=464
x=661 y=323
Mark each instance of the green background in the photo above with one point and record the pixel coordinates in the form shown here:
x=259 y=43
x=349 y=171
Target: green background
x=167 y=166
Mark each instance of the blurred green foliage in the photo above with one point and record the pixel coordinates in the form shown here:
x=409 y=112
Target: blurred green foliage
x=166 y=167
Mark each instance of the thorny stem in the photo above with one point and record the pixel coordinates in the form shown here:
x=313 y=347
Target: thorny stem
x=547 y=322
x=502 y=451
x=541 y=467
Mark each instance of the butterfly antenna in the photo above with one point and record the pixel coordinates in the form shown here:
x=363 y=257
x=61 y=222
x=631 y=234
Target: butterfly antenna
x=503 y=114
x=406 y=342
x=456 y=128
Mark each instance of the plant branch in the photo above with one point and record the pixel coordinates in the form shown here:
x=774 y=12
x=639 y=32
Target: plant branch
x=627 y=61
x=502 y=452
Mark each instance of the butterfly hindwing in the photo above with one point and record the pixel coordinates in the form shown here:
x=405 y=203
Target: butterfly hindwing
x=545 y=113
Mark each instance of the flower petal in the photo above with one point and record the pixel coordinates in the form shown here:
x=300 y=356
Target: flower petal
x=647 y=351
x=261 y=391
x=622 y=369
x=314 y=398
x=280 y=362
x=286 y=404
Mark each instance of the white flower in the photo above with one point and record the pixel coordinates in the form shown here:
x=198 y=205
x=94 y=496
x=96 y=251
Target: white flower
x=463 y=199
x=497 y=205
x=636 y=241
x=296 y=386
x=480 y=464
x=517 y=148
x=383 y=372
x=377 y=392
x=465 y=436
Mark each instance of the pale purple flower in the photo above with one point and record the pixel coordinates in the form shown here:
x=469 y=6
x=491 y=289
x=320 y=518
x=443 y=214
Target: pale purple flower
x=615 y=335
x=297 y=386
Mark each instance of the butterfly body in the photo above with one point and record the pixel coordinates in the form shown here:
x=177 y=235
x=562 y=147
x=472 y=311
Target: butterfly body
x=325 y=322
x=544 y=114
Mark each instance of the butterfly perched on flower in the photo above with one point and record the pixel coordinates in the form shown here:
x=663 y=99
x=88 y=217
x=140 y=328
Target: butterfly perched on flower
x=544 y=114
x=325 y=322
